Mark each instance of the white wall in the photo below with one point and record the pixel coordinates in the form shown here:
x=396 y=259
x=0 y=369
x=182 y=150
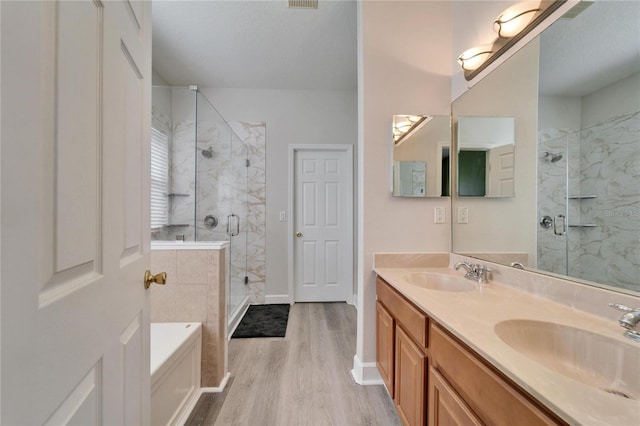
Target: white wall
x=292 y=117
x=617 y=99
x=404 y=68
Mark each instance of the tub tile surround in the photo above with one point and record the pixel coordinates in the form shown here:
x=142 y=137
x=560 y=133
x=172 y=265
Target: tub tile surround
x=518 y=294
x=195 y=292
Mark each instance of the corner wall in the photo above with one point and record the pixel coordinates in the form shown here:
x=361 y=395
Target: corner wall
x=404 y=51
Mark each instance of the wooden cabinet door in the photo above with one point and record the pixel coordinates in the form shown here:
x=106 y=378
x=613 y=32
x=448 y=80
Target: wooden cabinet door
x=446 y=408
x=385 y=337
x=410 y=380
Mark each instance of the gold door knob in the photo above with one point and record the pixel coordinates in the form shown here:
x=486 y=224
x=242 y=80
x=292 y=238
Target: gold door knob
x=160 y=278
x=298 y=234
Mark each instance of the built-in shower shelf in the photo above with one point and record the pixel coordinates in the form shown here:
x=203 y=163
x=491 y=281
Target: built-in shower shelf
x=582 y=197
x=176 y=225
x=177 y=194
x=584 y=225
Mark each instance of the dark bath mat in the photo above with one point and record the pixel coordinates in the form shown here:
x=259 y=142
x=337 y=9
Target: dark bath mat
x=263 y=321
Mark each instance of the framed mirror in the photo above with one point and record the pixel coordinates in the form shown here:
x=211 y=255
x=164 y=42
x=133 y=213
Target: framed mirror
x=576 y=205
x=421 y=153
x=486 y=156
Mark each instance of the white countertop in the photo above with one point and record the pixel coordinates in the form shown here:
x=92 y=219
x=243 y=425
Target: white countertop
x=472 y=316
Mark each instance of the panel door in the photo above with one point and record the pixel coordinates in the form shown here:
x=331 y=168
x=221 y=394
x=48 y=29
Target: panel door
x=385 y=339
x=323 y=224
x=500 y=179
x=75 y=212
x=446 y=407
x=410 y=381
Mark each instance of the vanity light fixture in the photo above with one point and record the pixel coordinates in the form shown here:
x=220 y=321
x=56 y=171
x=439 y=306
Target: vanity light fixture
x=404 y=125
x=516 y=18
x=511 y=25
x=472 y=58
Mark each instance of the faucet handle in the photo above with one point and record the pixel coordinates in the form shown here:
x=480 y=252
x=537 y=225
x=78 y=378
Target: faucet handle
x=623 y=308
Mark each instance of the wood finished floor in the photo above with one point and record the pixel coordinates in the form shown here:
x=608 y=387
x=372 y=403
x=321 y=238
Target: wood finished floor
x=303 y=379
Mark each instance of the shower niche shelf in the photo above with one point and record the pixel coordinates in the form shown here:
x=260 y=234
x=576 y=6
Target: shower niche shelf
x=582 y=197
x=177 y=194
x=584 y=225
x=176 y=225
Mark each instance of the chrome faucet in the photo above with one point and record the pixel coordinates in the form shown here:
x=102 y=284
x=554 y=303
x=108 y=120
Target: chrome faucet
x=475 y=272
x=629 y=320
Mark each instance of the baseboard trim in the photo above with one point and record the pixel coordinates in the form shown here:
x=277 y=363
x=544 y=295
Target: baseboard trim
x=277 y=299
x=218 y=389
x=365 y=373
x=195 y=397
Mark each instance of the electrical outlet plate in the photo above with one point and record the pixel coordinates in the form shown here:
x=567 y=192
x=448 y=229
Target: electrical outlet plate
x=439 y=215
x=463 y=214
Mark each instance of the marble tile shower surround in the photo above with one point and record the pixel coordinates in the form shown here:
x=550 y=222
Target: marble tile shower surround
x=603 y=161
x=195 y=292
x=214 y=188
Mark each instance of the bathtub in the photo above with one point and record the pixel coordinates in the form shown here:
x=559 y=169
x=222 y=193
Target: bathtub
x=175 y=370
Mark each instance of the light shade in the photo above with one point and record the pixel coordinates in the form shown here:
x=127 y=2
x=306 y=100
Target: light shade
x=516 y=18
x=472 y=58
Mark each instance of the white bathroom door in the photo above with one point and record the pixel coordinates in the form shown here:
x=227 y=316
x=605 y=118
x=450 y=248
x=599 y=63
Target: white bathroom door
x=76 y=97
x=323 y=223
x=500 y=171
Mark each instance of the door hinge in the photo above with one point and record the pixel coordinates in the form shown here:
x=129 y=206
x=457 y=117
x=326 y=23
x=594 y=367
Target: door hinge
x=248 y=163
x=246 y=280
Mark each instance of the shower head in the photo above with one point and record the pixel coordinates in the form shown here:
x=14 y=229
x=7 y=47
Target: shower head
x=552 y=157
x=207 y=153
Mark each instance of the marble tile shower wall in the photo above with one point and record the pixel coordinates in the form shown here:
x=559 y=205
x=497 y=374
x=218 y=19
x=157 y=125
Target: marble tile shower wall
x=603 y=162
x=225 y=185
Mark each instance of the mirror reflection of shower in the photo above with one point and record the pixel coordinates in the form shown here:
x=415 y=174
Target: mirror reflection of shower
x=552 y=157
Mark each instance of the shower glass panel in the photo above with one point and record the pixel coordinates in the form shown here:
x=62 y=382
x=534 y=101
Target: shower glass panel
x=206 y=180
x=221 y=198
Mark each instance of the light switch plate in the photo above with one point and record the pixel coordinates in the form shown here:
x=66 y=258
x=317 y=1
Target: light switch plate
x=283 y=217
x=463 y=214
x=439 y=215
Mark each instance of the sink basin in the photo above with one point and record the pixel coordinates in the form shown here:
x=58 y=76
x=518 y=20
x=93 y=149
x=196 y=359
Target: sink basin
x=440 y=282
x=587 y=357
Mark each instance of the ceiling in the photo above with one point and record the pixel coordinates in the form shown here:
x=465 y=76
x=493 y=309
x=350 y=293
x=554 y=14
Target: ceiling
x=598 y=47
x=256 y=44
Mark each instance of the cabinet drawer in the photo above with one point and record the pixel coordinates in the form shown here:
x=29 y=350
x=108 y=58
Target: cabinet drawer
x=414 y=322
x=492 y=398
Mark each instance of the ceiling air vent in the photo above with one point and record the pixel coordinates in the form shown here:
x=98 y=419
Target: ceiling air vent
x=303 y=4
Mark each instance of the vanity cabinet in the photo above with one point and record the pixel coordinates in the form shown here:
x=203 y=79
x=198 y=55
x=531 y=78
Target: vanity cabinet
x=434 y=378
x=402 y=333
x=385 y=346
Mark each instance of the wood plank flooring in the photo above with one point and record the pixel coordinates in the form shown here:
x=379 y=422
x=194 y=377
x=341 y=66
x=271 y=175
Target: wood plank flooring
x=303 y=379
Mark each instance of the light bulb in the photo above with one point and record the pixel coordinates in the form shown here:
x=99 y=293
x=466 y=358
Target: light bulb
x=472 y=58
x=516 y=18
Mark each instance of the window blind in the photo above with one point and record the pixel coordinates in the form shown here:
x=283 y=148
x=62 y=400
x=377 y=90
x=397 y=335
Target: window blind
x=159 y=179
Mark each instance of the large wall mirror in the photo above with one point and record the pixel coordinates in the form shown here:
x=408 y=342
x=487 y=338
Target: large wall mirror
x=420 y=151
x=574 y=93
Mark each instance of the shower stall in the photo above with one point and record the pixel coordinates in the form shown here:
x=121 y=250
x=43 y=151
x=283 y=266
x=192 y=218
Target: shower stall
x=589 y=201
x=199 y=181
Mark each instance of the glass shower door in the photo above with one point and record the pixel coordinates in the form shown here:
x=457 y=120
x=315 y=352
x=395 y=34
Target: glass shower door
x=221 y=199
x=553 y=206
x=238 y=229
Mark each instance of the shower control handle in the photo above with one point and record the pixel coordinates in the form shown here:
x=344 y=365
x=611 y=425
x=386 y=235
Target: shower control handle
x=546 y=222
